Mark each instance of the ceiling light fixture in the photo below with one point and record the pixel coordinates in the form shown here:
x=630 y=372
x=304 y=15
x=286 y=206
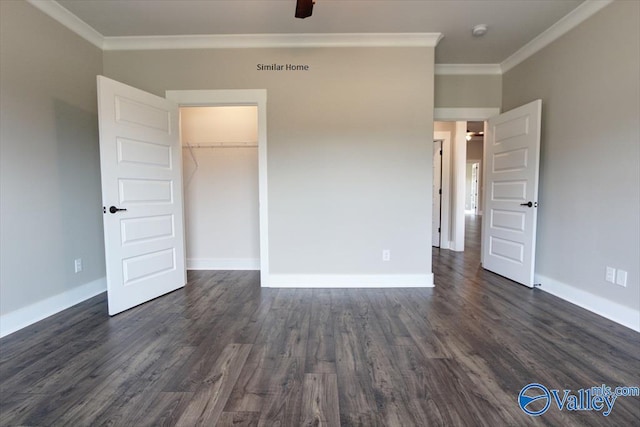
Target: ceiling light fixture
x=471 y=135
x=479 y=30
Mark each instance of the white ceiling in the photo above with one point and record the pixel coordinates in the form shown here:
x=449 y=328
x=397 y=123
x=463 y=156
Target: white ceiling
x=512 y=23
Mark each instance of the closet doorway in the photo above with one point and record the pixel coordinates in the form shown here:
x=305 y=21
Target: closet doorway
x=221 y=187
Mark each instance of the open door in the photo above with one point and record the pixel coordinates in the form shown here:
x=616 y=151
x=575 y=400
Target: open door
x=141 y=169
x=512 y=154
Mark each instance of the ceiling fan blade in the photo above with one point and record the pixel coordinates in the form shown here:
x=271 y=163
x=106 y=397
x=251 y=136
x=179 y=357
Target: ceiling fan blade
x=304 y=8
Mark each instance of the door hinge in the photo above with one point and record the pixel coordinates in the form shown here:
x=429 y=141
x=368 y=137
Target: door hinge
x=440 y=191
x=441 y=152
x=439 y=230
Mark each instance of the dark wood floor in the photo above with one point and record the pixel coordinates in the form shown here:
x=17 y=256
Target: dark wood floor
x=223 y=351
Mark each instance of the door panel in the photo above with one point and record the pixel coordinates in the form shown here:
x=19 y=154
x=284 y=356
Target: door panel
x=142 y=153
x=509 y=191
x=507 y=220
x=513 y=160
x=139 y=230
x=146 y=191
x=141 y=174
x=512 y=152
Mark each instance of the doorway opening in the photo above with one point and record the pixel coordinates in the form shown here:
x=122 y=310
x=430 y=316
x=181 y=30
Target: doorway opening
x=474 y=161
x=471 y=202
x=462 y=168
x=220 y=169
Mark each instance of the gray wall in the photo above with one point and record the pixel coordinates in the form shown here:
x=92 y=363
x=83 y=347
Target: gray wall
x=349 y=147
x=589 y=191
x=468 y=91
x=475 y=148
x=50 y=209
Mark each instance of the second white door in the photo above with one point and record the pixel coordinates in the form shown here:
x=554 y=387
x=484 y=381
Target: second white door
x=512 y=154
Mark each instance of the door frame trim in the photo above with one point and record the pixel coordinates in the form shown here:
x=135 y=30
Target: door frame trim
x=255 y=97
x=445 y=184
x=438 y=193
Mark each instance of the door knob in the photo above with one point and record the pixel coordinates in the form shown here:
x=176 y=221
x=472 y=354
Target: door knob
x=113 y=209
x=530 y=204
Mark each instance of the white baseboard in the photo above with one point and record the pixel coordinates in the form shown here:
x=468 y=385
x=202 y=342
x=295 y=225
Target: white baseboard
x=351 y=280
x=223 y=263
x=25 y=316
x=618 y=313
x=445 y=244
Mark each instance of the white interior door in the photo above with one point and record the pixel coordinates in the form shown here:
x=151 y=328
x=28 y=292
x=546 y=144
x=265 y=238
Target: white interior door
x=437 y=194
x=512 y=155
x=141 y=168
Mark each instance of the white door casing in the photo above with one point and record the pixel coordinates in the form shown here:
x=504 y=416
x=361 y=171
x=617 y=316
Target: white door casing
x=257 y=97
x=437 y=194
x=512 y=156
x=445 y=201
x=141 y=170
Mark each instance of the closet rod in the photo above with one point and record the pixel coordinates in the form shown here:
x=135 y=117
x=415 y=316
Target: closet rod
x=221 y=145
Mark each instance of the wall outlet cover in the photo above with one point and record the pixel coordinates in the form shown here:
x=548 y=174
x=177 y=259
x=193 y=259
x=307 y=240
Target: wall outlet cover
x=77 y=264
x=610 y=275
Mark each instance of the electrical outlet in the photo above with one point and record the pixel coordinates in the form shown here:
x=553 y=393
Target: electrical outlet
x=386 y=255
x=621 y=278
x=78 y=265
x=610 y=275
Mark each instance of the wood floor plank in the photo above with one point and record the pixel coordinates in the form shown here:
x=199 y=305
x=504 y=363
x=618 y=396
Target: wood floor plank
x=320 y=405
x=252 y=386
x=239 y=419
x=383 y=370
x=282 y=402
x=157 y=409
x=321 y=351
x=15 y=408
x=140 y=393
x=360 y=374
x=39 y=339
x=84 y=408
x=209 y=399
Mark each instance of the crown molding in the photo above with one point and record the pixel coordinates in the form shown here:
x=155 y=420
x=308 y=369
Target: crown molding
x=69 y=20
x=468 y=69
x=219 y=41
x=554 y=32
x=236 y=41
